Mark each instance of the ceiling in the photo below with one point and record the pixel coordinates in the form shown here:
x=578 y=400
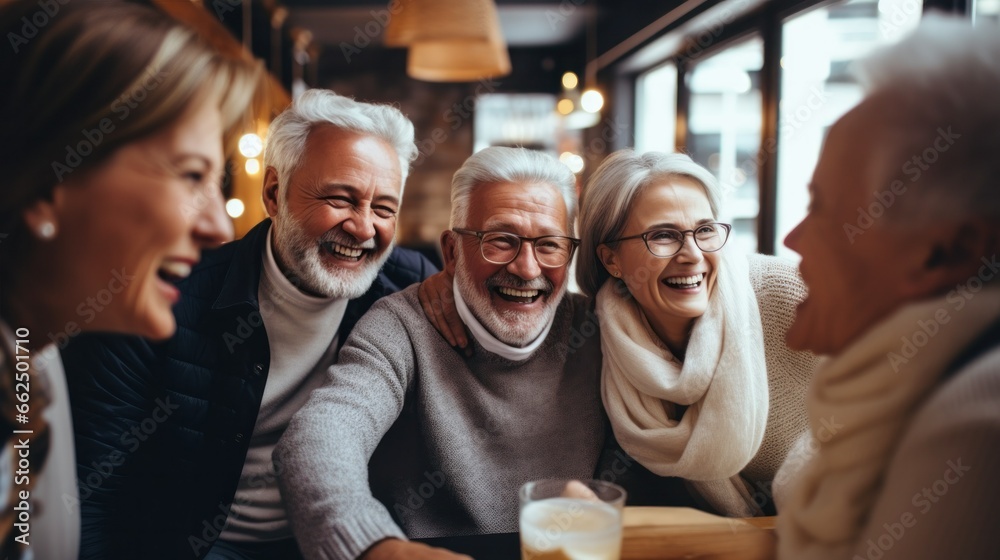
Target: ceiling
x=524 y=23
x=545 y=37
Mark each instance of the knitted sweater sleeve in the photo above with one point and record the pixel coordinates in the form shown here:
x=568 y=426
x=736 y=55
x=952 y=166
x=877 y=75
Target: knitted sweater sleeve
x=779 y=290
x=322 y=459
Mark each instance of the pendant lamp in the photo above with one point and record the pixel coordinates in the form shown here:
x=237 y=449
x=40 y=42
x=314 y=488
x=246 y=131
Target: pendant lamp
x=449 y=40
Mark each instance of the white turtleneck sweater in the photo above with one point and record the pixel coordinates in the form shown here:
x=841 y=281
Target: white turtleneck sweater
x=302 y=333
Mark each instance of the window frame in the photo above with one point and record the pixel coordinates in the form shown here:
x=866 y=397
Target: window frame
x=765 y=20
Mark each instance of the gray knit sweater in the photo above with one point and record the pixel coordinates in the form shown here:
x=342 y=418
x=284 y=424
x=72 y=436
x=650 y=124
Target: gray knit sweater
x=458 y=436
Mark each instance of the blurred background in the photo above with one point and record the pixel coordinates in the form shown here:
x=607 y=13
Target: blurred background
x=748 y=88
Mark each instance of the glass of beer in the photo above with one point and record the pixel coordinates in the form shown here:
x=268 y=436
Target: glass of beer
x=571 y=520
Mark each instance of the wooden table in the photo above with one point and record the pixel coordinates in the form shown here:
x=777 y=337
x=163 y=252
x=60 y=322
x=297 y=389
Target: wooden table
x=652 y=533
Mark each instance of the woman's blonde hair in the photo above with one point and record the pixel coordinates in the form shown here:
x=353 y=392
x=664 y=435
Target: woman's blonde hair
x=96 y=76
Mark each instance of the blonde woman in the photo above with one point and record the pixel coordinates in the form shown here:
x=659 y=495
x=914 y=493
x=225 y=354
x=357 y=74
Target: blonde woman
x=112 y=118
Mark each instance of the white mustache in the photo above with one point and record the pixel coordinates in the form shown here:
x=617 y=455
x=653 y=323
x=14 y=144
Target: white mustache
x=504 y=278
x=346 y=240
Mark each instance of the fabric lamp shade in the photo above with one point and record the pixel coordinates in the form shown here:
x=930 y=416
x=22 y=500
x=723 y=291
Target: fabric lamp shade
x=402 y=26
x=450 y=40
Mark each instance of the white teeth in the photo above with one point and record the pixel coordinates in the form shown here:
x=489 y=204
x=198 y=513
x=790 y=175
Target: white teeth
x=346 y=251
x=518 y=293
x=685 y=280
x=176 y=269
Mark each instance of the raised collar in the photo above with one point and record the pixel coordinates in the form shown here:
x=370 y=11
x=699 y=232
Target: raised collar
x=243 y=275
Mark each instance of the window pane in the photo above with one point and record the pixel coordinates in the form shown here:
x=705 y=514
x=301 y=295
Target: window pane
x=817 y=88
x=655 y=110
x=724 y=132
x=528 y=120
x=986 y=12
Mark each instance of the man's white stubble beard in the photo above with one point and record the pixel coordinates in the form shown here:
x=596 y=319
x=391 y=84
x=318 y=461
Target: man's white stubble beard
x=515 y=328
x=301 y=254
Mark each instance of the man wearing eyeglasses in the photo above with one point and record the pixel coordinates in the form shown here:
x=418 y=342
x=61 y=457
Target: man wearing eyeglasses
x=444 y=440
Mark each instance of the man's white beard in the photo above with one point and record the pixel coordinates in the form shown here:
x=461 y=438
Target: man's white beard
x=515 y=328
x=301 y=254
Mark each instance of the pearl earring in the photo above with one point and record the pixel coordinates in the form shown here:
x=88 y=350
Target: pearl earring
x=47 y=230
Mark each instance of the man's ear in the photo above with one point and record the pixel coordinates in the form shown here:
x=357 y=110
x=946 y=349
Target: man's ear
x=449 y=250
x=954 y=255
x=270 y=191
x=609 y=259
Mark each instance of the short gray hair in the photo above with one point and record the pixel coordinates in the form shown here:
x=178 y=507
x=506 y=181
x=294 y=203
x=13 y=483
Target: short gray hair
x=945 y=76
x=286 y=137
x=610 y=193
x=510 y=165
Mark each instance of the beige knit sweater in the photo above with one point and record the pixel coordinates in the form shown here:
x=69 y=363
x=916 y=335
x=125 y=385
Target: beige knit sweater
x=779 y=290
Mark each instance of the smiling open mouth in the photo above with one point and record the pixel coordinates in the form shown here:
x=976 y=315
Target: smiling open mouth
x=518 y=296
x=685 y=282
x=173 y=272
x=344 y=252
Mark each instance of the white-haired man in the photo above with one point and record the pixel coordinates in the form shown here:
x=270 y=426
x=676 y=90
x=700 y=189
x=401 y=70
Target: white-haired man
x=175 y=439
x=446 y=441
x=899 y=252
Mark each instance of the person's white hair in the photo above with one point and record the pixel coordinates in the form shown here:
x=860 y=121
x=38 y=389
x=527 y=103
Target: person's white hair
x=610 y=193
x=286 y=137
x=510 y=165
x=943 y=78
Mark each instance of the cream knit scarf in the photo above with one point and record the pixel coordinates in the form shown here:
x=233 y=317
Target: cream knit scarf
x=723 y=381
x=868 y=394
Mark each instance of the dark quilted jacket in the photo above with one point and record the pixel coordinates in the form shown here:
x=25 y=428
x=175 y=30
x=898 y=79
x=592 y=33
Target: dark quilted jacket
x=162 y=429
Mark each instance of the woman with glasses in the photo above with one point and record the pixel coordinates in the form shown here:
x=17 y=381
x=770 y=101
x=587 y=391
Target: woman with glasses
x=696 y=377
x=697 y=381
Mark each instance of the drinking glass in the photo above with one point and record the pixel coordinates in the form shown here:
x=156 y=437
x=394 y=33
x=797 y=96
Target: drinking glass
x=571 y=520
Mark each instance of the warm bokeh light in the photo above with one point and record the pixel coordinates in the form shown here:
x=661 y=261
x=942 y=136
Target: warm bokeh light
x=573 y=161
x=251 y=145
x=592 y=101
x=565 y=106
x=235 y=207
x=569 y=80
x=253 y=166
